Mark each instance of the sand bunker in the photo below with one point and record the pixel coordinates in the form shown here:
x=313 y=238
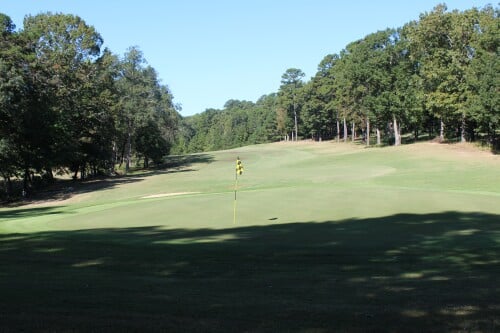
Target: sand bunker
x=167 y=194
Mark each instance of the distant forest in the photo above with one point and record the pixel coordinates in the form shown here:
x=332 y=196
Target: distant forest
x=67 y=105
x=437 y=77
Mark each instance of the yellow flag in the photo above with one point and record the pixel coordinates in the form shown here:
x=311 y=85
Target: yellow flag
x=239 y=166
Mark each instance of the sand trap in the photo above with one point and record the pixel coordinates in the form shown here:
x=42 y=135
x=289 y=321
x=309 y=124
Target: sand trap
x=167 y=195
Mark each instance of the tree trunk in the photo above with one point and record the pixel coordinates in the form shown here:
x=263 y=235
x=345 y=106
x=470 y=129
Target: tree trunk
x=129 y=152
x=345 y=131
x=114 y=157
x=368 y=131
x=399 y=133
x=295 y=117
x=441 y=131
x=296 y=126
x=462 y=130
x=83 y=171
x=378 y=136
x=75 y=175
x=397 y=137
x=25 y=182
x=8 y=186
x=353 y=134
x=123 y=150
x=49 y=174
x=338 y=130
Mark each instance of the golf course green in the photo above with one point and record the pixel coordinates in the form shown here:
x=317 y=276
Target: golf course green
x=323 y=237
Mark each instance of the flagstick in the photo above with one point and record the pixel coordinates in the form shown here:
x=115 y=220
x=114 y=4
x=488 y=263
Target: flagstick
x=234 y=206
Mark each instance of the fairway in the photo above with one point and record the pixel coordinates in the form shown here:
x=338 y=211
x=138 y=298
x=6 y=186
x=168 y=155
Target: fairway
x=328 y=237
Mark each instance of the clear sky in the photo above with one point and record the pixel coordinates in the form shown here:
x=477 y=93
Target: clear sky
x=210 y=51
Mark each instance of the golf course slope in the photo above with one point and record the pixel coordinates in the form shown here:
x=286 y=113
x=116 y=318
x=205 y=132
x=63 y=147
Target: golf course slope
x=323 y=237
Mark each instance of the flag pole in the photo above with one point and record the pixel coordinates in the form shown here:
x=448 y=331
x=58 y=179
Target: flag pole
x=239 y=170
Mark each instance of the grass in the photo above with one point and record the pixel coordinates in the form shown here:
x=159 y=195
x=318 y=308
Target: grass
x=329 y=237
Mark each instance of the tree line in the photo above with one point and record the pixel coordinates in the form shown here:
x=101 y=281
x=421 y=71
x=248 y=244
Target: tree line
x=240 y=123
x=66 y=104
x=437 y=76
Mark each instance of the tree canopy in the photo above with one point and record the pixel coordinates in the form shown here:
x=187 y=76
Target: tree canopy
x=67 y=105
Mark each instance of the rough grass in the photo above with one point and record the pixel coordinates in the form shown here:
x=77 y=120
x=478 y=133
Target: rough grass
x=328 y=237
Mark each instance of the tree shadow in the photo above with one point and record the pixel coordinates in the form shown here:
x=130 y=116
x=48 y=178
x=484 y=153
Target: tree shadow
x=63 y=189
x=407 y=272
x=28 y=212
x=176 y=162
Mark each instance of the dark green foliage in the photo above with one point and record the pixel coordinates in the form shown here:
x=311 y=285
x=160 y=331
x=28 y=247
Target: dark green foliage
x=320 y=113
x=65 y=105
x=291 y=100
x=239 y=123
x=483 y=78
x=150 y=144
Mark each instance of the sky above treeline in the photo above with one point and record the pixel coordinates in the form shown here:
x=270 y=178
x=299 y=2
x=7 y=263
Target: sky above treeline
x=209 y=52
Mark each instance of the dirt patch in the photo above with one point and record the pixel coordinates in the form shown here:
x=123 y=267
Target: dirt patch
x=160 y=195
x=464 y=151
x=65 y=191
x=64 y=200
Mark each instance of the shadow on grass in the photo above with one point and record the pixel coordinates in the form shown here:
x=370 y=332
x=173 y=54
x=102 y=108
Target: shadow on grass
x=176 y=163
x=182 y=161
x=388 y=141
x=28 y=212
x=65 y=189
x=400 y=273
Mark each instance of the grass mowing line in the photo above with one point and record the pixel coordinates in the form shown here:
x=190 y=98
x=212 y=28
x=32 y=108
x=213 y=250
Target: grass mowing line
x=161 y=195
x=361 y=184
x=485 y=193
x=55 y=213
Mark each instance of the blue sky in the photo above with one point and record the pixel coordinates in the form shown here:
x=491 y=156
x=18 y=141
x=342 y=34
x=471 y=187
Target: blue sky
x=211 y=51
